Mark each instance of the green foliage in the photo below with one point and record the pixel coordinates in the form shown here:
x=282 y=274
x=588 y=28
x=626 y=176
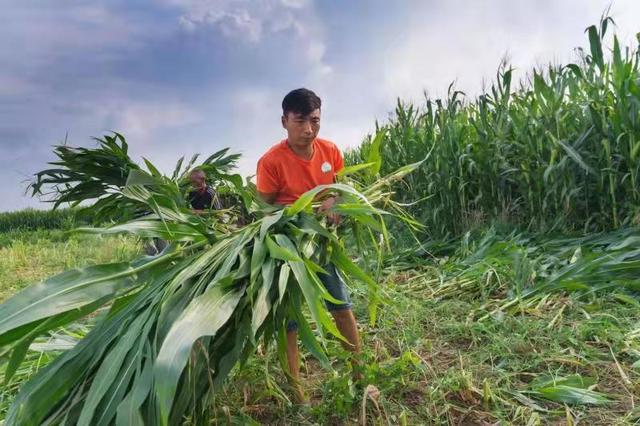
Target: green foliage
x=98 y=175
x=512 y=272
x=429 y=363
x=559 y=151
x=571 y=390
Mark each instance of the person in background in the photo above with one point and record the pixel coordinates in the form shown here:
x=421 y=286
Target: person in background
x=202 y=197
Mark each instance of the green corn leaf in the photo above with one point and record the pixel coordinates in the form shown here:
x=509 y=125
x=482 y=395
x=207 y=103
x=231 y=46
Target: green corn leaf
x=152 y=169
x=268 y=222
x=21 y=347
x=349 y=170
x=257 y=257
x=278 y=251
x=596 y=46
x=340 y=259
x=150 y=229
x=625 y=298
x=112 y=370
x=574 y=380
x=575 y=157
x=140 y=177
x=356 y=209
x=309 y=340
x=203 y=317
x=70 y=290
x=129 y=409
x=283 y=280
x=34 y=402
x=262 y=304
x=572 y=395
x=374 y=153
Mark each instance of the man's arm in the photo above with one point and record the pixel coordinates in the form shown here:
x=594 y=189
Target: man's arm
x=267 y=180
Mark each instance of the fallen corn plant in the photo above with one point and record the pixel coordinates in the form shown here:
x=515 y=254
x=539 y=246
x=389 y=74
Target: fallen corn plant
x=519 y=272
x=575 y=390
x=217 y=286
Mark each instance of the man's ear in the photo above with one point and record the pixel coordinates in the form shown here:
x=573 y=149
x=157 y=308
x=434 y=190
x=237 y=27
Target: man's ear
x=283 y=120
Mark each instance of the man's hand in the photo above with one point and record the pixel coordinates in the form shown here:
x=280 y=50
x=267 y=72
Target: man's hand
x=326 y=205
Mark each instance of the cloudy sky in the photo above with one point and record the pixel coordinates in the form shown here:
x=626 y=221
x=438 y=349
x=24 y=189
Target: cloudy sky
x=184 y=76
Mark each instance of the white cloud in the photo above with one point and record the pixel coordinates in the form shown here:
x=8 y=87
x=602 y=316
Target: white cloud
x=315 y=54
x=255 y=125
x=465 y=41
x=295 y=4
x=241 y=19
x=255 y=22
x=234 y=23
x=45 y=33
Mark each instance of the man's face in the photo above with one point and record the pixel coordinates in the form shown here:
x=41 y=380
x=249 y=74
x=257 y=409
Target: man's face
x=197 y=180
x=301 y=129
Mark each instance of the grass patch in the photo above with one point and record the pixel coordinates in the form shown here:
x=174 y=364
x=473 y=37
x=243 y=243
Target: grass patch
x=432 y=367
x=28 y=257
x=32 y=256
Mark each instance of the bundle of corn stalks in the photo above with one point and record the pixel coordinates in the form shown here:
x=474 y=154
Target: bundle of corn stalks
x=170 y=328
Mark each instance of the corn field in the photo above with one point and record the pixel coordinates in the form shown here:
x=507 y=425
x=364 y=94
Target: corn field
x=509 y=295
x=32 y=219
x=558 y=150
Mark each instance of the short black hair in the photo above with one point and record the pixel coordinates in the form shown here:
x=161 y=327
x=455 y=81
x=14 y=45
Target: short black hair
x=300 y=101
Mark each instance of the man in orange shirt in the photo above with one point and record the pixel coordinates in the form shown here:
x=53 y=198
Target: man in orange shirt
x=289 y=169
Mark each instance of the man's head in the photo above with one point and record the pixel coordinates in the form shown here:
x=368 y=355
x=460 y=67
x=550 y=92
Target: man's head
x=198 y=179
x=301 y=116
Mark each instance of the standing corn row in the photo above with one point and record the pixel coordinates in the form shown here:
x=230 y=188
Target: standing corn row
x=558 y=152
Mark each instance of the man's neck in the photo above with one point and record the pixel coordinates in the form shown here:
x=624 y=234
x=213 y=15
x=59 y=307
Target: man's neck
x=305 y=153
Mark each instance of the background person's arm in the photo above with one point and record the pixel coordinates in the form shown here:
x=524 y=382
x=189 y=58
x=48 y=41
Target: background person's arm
x=268 y=197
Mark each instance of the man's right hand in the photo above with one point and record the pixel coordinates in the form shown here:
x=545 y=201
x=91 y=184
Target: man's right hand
x=327 y=204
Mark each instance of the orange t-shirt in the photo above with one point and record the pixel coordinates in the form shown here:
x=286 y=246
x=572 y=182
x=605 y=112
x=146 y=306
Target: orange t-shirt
x=281 y=171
